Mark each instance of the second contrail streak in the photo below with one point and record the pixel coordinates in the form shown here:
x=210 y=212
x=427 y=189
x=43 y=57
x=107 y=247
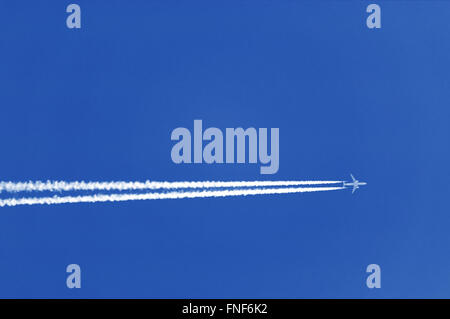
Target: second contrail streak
x=148 y=196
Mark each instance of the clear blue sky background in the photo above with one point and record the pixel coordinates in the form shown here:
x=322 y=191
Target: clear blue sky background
x=100 y=103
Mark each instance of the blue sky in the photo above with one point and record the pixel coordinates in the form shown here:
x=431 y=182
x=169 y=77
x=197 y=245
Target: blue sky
x=99 y=103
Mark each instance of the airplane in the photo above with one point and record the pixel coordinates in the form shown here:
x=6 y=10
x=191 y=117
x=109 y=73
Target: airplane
x=355 y=184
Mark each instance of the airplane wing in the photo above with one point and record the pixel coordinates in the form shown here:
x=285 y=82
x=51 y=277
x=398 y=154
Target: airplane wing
x=353 y=178
x=354 y=189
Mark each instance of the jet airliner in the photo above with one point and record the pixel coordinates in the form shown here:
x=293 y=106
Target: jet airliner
x=355 y=184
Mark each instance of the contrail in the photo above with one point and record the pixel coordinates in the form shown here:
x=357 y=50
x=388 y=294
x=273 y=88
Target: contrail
x=60 y=186
x=148 y=196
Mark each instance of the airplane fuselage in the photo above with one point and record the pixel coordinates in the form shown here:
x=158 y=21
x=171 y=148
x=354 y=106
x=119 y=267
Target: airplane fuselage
x=355 y=184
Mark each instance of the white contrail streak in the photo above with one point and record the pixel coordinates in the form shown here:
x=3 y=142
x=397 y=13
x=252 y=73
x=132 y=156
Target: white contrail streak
x=170 y=195
x=59 y=186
